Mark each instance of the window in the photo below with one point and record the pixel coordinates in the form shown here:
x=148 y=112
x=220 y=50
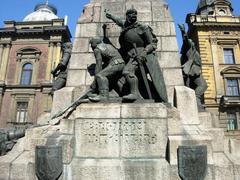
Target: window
x=232 y=87
x=232 y=121
x=26 y=74
x=228 y=56
x=21 y=115
x=222 y=12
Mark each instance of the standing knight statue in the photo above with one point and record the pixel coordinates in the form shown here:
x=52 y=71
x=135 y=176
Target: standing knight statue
x=137 y=47
x=191 y=64
x=60 y=72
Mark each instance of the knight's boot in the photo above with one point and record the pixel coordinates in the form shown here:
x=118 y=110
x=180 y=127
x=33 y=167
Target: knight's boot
x=103 y=96
x=102 y=82
x=121 y=83
x=134 y=92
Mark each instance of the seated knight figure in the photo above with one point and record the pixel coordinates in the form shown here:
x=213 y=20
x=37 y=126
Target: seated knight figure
x=191 y=68
x=60 y=72
x=137 y=47
x=109 y=64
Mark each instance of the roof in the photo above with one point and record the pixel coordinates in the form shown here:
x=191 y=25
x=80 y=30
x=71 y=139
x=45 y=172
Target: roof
x=42 y=12
x=207 y=4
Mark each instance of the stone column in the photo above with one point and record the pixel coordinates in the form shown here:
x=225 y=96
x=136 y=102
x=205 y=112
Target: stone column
x=214 y=49
x=5 y=60
x=49 y=63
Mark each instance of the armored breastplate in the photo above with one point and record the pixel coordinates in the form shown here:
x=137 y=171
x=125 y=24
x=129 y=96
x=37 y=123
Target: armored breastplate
x=108 y=51
x=129 y=37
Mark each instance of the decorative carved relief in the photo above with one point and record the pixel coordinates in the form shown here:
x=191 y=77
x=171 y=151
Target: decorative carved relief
x=28 y=53
x=216 y=33
x=213 y=40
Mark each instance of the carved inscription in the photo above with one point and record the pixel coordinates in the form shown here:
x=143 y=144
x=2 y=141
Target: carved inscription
x=127 y=131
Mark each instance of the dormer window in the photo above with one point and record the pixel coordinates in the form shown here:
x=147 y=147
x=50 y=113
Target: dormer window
x=222 y=12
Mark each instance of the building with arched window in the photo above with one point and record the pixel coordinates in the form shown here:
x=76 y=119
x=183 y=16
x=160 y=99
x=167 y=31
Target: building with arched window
x=29 y=50
x=26 y=75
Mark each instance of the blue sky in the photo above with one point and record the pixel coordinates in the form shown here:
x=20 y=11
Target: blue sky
x=18 y=9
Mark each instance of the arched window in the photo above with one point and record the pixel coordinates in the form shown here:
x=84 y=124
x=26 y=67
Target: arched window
x=26 y=74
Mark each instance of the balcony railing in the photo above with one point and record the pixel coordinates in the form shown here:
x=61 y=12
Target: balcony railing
x=229 y=102
x=193 y=18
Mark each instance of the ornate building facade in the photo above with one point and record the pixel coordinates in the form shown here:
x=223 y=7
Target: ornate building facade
x=29 y=50
x=216 y=32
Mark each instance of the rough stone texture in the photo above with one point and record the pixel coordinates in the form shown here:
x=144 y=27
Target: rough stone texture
x=5 y=161
x=161 y=11
x=22 y=169
x=185 y=101
x=143 y=110
x=205 y=119
x=76 y=77
x=82 y=62
x=81 y=45
x=67 y=142
x=174 y=124
x=165 y=57
x=217 y=135
x=236 y=165
x=169 y=43
x=224 y=169
x=235 y=146
x=61 y=99
x=115 y=130
x=43 y=118
x=67 y=126
x=36 y=136
x=173 y=76
x=106 y=111
x=103 y=169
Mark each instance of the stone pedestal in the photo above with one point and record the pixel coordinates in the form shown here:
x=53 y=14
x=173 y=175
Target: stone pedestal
x=119 y=141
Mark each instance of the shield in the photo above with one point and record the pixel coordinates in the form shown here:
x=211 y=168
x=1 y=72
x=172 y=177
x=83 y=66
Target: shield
x=48 y=160
x=192 y=162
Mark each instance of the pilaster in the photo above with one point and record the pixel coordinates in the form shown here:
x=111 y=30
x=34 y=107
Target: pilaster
x=49 y=63
x=214 y=50
x=5 y=60
x=1 y=53
x=58 y=53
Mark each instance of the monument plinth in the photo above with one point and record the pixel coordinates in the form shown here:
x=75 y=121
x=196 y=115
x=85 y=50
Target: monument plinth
x=124 y=141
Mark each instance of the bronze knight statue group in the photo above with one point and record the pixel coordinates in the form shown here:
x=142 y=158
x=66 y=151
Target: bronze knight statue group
x=132 y=71
x=134 y=61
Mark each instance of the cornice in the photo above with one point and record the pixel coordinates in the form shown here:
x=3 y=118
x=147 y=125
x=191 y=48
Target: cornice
x=44 y=30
